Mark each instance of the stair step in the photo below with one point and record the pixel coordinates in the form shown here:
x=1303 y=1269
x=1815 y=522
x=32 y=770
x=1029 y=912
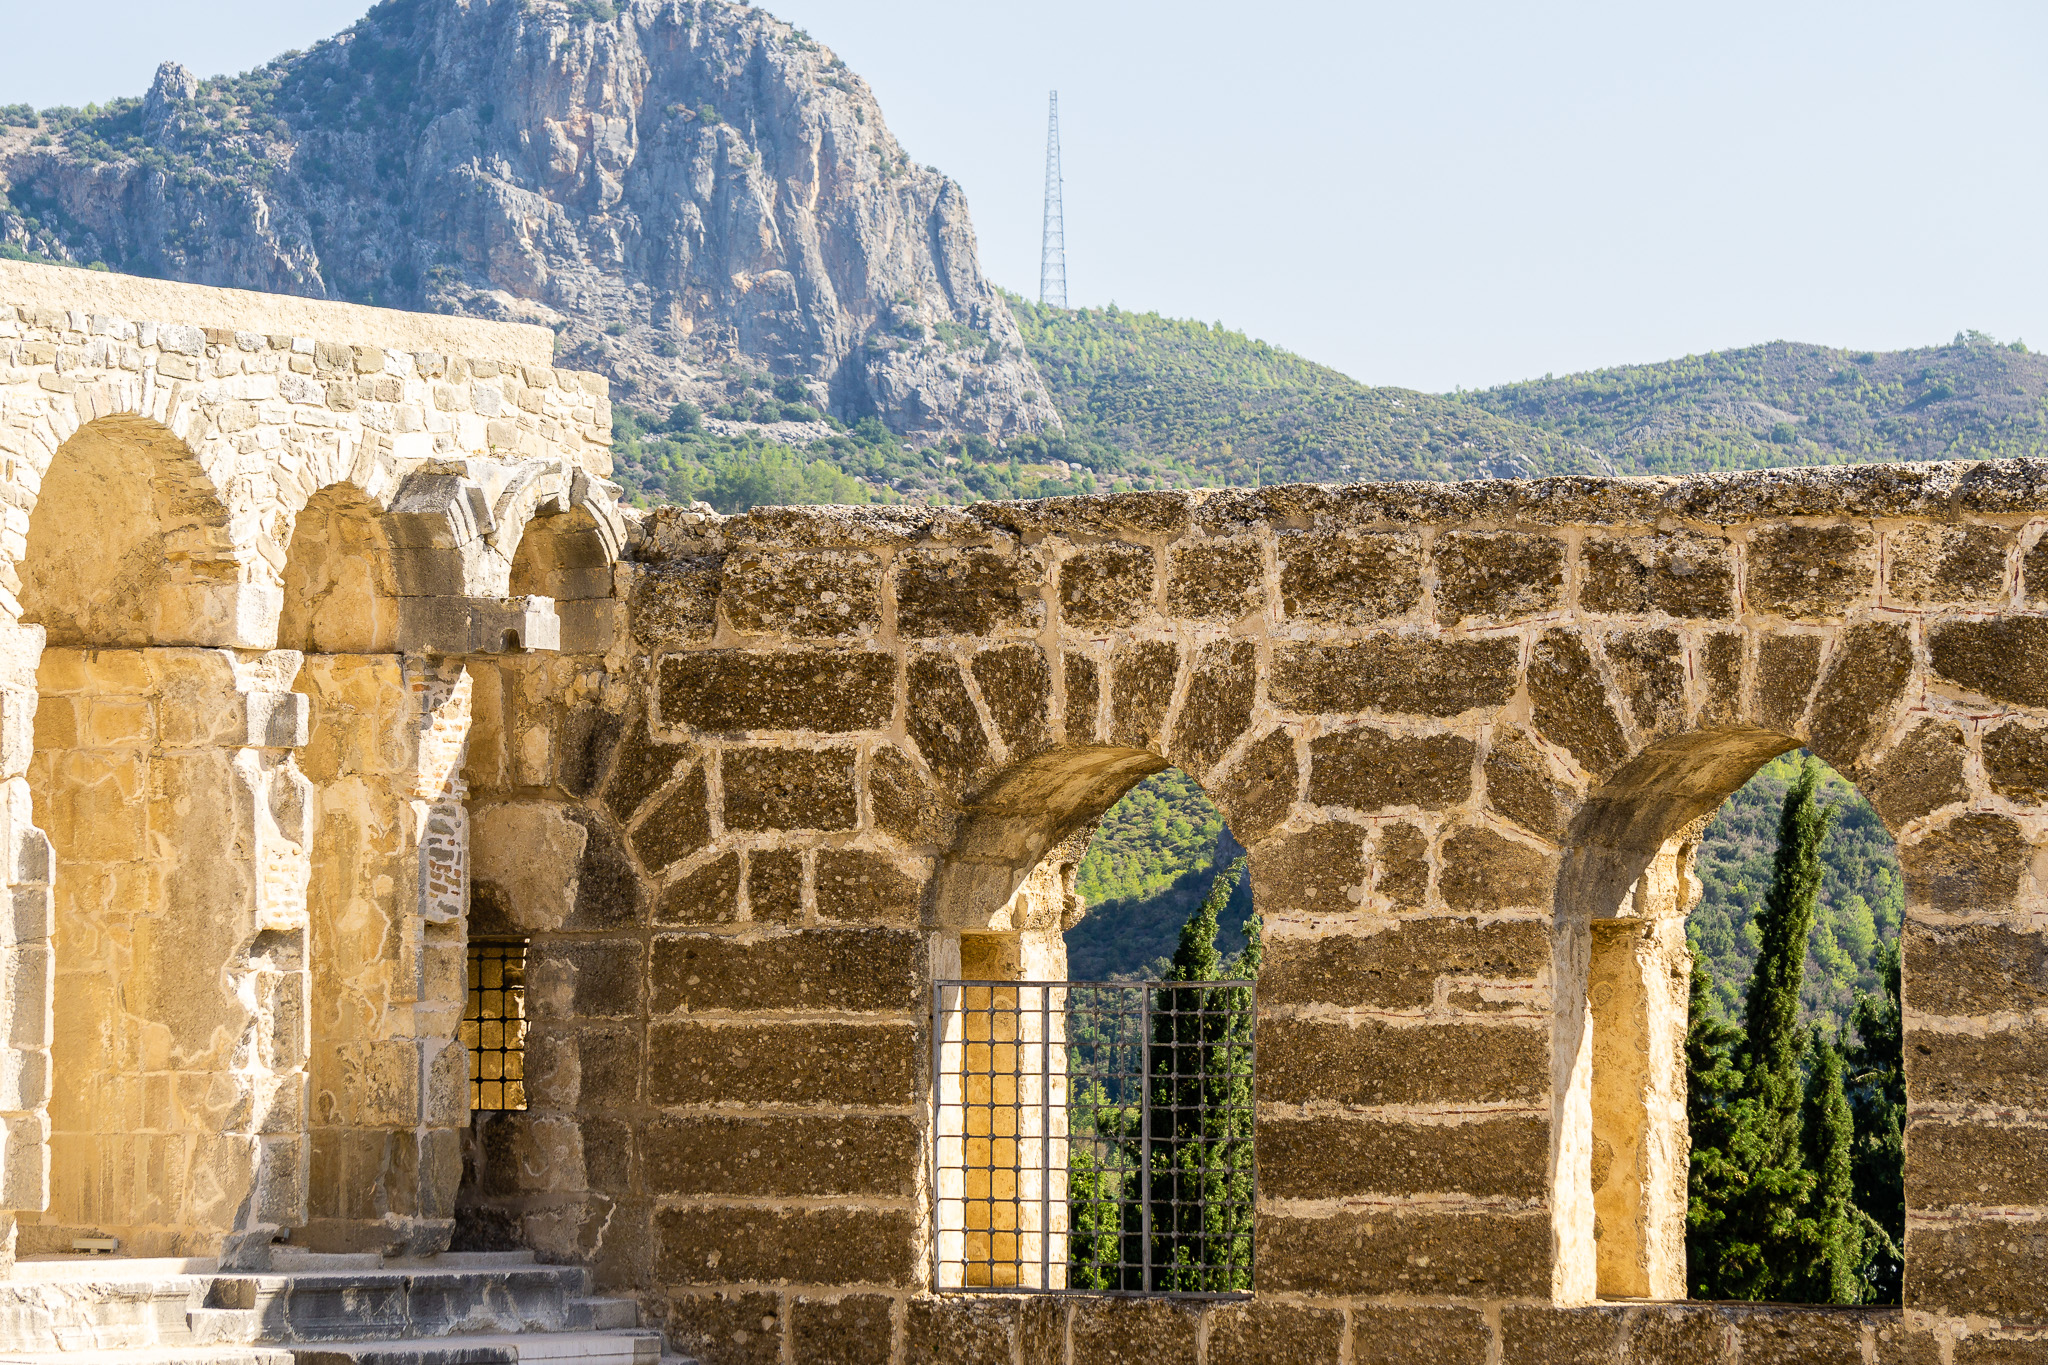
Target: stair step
x=597 y=1315
x=527 y=1348
x=155 y=1355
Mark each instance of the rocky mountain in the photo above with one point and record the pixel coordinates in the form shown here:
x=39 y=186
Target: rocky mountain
x=703 y=201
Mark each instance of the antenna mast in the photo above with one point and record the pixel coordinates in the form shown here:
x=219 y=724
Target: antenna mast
x=1052 y=264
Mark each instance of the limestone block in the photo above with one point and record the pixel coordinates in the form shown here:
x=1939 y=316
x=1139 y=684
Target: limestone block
x=842 y=969
x=731 y=1328
x=1106 y=585
x=768 y=1062
x=1421 y=1252
x=517 y=623
x=1397 y=1336
x=1216 y=580
x=278 y=720
x=25 y=1161
x=712 y=1244
x=943 y=720
x=828 y=690
x=1349 y=578
x=1504 y=1157
x=1370 y=1062
x=1395 y=673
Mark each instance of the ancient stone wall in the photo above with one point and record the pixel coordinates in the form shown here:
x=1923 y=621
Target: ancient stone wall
x=1468 y=733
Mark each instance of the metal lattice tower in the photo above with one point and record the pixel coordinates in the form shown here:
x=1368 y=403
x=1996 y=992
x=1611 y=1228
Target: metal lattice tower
x=1052 y=264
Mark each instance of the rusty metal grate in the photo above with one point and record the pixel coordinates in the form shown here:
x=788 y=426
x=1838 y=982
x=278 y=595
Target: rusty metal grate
x=494 y=1024
x=1093 y=1138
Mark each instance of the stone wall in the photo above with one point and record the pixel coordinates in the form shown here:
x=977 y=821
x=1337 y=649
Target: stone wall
x=1468 y=733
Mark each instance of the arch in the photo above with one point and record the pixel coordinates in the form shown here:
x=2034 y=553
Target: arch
x=339 y=584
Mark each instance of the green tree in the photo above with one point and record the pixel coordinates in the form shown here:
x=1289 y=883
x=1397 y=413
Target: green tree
x=1712 y=1082
x=1877 y=1099
x=1837 y=1252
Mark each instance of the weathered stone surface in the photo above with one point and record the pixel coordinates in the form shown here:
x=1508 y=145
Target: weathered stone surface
x=1560 y=1336
x=1680 y=573
x=2016 y=761
x=1106 y=585
x=785 y=789
x=1400 y=866
x=1971 y=864
x=705 y=895
x=676 y=603
x=2014 y=1349
x=957 y=1331
x=1016 y=683
x=608 y=894
x=1809 y=573
x=1141 y=689
x=1718 y=662
x=1354 y=579
x=2008 y=1068
x=905 y=805
x=1570 y=702
x=1649 y=667
x=1999 y=658
x=1787 y=666
x=1401 y=1336
x=705 y=1244
x=1258 y=1333
x=972 y=591
x=641 y=766
x=854 y=1330
x=841 y=969
x=1497 y=575
x=1084 y=698
x=865 y=888
x=1394 y=673
x=1397 y=967
x=727 y=1329
x=1303 y=1061
x=677 y=826
x=1990 y=1266
x=1865 y=682
x=802 y=593
x=1319 y=871
x=1982 y=1163
x=1680 y=1336
x=1522 y=785
x=1218 y=706
x=762 y=1062
x=1932 y=563
x=1132 y=1332
x=1369 y=769
x=1783 y=1336
x=585 y=980
x=1256 y=792
x=1215 y=580
x=1340 y=1158
x=1486 y=873
x=1976 y=969
x=943 y=720
x=1921 y=773
x=775 y=886
x=1466 y=1254
x=726 y=690
x=799 y=1156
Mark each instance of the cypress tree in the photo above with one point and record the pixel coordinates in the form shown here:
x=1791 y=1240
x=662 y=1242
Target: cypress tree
x=1877 y=1099
x=1712 y=1081
x=1837 y=1249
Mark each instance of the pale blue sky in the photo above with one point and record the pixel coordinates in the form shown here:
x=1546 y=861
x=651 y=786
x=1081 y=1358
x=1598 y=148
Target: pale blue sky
x=1430 y=195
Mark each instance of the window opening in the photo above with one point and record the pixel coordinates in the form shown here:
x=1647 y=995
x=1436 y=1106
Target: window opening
x=494 y=1024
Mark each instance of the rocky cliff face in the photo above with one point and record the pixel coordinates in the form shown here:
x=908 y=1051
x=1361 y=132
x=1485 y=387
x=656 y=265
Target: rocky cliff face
x=698 y=197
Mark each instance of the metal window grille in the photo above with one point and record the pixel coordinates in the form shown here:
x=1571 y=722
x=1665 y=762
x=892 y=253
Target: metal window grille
x=494 y=1024
x=1093 y=1138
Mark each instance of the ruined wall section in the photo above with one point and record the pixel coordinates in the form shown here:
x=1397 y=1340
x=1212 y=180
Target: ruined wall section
x=1455 y=725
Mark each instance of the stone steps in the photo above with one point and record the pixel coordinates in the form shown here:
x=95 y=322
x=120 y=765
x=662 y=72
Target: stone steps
x=541 y=1348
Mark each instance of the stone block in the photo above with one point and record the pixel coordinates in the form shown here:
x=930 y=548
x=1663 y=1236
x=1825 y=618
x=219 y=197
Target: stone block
x=678 y=825
x=709 y=894
x=1866 y=680
x=1996 y=658
x=1497 y=575
x=1084 y=699
x=1142 y=676
x=1975 y=1162
x=1349 y=578
x=943 y=721
x=789 y=789
x=2003 y=1349
x=865 y=888
x=857 y=1065
x=1976 y=969
x=584 y=980
x=1679 y=573
x=1808 y=573
x=2016 y=761
x=1929 y=564
x=640 y=766
x=1403 y=1336
x=1307 y=1061
x=1718 y=662
x=1791 y=1336
x=1787 y=666
x=973 y=591
x=676 y=603
x=1395 y=673
x=1649 y=667
x=1400 y=866
x=1522 y=785
x=723 y=1244
x=1921 y=773
x=1369 y=769
x=1971 y=865
x=1218 y=706
x=959 y=1331
x=1486 y=873
x=1258 y=1333
x=1317 y=871
x=1215 y=580
x=854 y=1330
x=729 y=690
x=1469 y=1254
x=1560 y=1336
x=1571 y=705
x=1106 y=585
x=804 y=593
x=726 y=1329
x=1256 y=792
x=789 y=1156
x=1110 y=1331
x=1679 y=1336
x=839 y=969
x=2007 y=1068
x=775 y=886
x=1016 y=684
x=1398 y=966
x=1348 y=1157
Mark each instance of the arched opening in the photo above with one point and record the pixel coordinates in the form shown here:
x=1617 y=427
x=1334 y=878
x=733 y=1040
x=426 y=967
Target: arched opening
x=387 y=739
x=1094 y=1120
x=1664 y=1101
x=174 y=821
x=563 y=554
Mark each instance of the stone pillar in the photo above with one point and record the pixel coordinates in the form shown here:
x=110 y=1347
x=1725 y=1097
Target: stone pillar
x=1638 y=986
x=389 y=1076
x=26 y=962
